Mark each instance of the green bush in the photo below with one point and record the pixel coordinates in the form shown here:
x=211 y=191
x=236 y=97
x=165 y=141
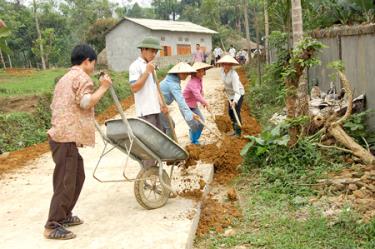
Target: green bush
x=284 y=169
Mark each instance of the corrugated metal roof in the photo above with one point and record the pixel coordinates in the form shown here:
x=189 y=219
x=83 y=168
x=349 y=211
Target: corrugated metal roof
x=175 y=26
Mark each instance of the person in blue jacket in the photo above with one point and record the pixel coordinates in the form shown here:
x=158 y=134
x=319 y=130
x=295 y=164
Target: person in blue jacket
x=170 y=87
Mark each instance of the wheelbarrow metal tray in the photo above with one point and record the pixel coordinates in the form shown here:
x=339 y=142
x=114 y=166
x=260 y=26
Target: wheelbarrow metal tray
x=155 y=140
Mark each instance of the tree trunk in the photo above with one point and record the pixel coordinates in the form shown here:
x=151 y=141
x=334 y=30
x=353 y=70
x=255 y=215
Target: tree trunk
x=2 y=59
x=267 y=31
x=246 y=20
x=10 y=61
x=39 y=36
x=340 y=135
x=297 y=26
x=258 y=41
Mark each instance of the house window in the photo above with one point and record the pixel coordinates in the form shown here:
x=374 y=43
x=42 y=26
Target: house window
x=183 y=49
x=180 y=39
x=186 y=39
x=202 y=39
x=166 y=51
x=162 y=38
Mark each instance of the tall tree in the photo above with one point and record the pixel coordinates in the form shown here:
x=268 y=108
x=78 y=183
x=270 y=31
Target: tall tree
x=246 y=19
x=167 y=9
x=39 y=35
x=266 y=30
x=297 y=26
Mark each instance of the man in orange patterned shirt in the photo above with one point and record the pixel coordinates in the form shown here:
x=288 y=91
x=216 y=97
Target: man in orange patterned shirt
x=72 y=126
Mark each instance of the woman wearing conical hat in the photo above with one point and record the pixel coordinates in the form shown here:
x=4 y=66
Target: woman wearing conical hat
x=170 y=87
x=193 y=94
x=233 y=88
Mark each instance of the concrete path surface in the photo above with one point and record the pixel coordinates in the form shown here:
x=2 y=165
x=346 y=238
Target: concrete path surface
x=113 y=218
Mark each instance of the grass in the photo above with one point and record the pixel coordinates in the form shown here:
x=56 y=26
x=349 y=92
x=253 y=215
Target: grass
x=277 y=213
x=33 y=83
x=37 y=82
x=272 y=221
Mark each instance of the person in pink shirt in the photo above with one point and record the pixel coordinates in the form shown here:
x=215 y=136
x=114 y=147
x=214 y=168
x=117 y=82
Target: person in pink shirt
x=198 y=55
x=193 y=94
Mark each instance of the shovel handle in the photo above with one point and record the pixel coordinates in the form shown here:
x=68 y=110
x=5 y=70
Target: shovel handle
x=170 y=122
x=208 y=128
x=234 y=111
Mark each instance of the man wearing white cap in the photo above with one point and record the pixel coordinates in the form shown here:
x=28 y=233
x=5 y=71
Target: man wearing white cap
x=171 y=90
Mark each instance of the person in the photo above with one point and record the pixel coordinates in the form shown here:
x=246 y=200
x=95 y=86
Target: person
x=233 y=89
x=198 y=55
x=193 y=94
x=242 y=56
x=218 y=52
x=171 y=90
x=148 y=102
x=232 y=51
x=73 y=126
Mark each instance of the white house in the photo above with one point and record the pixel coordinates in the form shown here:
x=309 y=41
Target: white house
x=178 y=40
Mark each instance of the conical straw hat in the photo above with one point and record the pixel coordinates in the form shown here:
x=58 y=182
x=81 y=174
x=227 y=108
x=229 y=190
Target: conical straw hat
x=200 y=65
x=182 y=67
x=227 y=59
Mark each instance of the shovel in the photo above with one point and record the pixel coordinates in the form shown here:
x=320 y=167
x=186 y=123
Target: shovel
x=234 y=111
x=170 y=122
x=212 y=131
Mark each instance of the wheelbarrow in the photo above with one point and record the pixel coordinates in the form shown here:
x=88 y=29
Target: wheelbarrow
x=140 y=141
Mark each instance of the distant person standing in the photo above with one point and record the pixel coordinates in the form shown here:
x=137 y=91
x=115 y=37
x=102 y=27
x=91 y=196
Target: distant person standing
x=198 y=55
x=218 y=52
x=232 y=51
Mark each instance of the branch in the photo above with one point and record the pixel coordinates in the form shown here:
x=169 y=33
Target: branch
x=334 y=147
x=349 y=93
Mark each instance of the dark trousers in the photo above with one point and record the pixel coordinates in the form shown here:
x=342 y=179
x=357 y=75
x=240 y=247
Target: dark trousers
x=68 y=178
x=238 y=111
x=154 y=119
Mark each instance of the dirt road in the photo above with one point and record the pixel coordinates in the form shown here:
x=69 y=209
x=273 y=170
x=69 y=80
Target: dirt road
x=113 y=218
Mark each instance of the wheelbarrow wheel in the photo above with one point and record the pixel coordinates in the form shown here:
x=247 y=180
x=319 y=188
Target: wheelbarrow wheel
x=148 y=190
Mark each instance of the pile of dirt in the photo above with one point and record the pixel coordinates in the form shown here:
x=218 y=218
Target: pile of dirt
x=18 y=159
x=19 y=104
x=20 y=71
x=216 y=215
x=355 y=185
x=194 y=194
x=223 y=122
x=226 y=158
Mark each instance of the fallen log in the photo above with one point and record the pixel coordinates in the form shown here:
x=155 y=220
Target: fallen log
x=335 y=129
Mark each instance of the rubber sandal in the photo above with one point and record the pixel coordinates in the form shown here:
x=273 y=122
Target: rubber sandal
x=59 y=233
x=72 y=221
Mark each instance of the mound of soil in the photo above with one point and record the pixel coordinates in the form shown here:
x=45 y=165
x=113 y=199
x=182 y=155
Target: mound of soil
x=19 y=104
x=20 y=71
x=355 y=185
x=216 y=215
